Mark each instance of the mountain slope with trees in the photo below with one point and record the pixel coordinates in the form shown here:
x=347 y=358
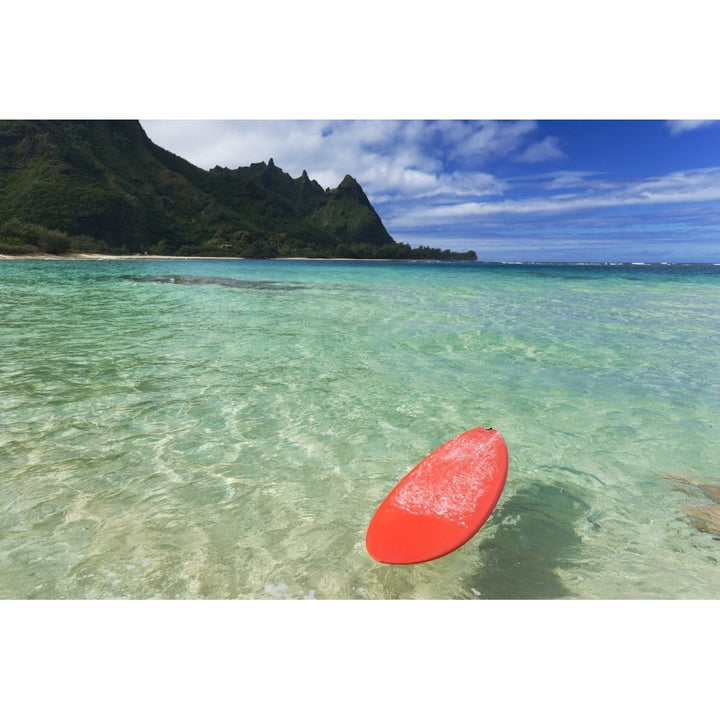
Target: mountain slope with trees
x=103 y=186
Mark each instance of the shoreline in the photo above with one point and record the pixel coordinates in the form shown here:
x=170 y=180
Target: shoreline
x=99 y=256
x=102 y=256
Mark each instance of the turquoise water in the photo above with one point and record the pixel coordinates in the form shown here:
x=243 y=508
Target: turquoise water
x=226 y=428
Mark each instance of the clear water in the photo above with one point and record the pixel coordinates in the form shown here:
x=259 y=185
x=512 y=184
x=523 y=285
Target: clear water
x=230 y=434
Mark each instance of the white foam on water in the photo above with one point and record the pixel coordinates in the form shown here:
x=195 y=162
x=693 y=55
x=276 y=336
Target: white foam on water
x=282 y=591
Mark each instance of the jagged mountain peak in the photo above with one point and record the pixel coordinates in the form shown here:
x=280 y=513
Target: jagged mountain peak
x=103 y=185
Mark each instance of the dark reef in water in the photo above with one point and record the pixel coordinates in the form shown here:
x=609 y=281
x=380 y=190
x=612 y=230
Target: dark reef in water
x=705 y=518
x=225 y=282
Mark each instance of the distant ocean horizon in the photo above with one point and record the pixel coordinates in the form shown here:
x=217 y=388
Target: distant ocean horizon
x=225 y=428
x=479 y=261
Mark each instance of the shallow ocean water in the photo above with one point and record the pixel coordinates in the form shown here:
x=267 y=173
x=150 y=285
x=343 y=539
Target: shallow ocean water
x=226 y=428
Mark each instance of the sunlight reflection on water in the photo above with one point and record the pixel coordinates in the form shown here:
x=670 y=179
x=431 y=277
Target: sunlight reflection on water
x=230 y=439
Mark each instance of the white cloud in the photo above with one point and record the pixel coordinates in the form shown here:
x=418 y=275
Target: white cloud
x=232 y=144
x=561 y=180
x=546 y=149
x=486 y=139
x=387 y=157
x=680 y=126
x=571 y=178
x=678 y=187
x=471 y=183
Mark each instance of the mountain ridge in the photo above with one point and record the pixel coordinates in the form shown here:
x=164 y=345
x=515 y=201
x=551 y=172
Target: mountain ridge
x=102 y=186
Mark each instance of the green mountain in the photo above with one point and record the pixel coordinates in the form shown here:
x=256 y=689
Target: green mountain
x=104 y=186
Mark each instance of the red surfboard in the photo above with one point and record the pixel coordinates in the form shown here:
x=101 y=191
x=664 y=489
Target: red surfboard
x=442 y=502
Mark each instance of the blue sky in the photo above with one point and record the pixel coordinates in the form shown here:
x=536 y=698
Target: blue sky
x=566 y=190
x=645 y=190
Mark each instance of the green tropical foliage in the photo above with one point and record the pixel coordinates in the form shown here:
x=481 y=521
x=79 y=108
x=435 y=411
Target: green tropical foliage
x=104 y=186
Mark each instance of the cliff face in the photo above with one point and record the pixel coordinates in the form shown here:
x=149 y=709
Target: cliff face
x=100 y=179
x=103 y=185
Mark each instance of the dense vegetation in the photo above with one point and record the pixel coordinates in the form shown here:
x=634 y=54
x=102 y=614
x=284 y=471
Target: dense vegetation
x=103 y=186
